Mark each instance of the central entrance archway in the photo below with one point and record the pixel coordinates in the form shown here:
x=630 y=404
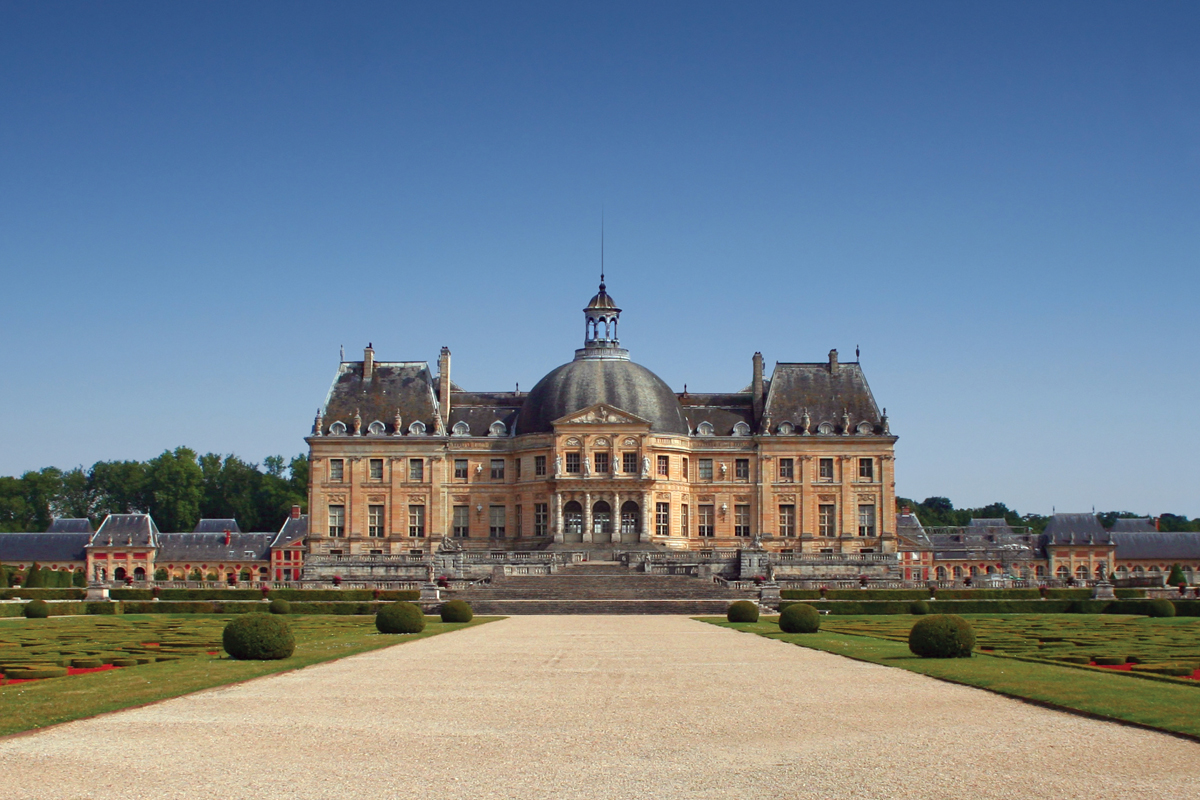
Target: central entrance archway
x=572 y=522
x=602 y=522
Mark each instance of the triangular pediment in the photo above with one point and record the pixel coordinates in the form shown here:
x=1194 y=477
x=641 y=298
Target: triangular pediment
x=601 y=414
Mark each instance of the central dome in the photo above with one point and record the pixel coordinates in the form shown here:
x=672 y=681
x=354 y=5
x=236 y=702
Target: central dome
x=585 y=382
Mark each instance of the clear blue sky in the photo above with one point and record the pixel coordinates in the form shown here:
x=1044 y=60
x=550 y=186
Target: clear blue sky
x=199 y=202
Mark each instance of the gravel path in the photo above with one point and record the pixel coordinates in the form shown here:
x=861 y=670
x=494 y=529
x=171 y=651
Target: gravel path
x=602 y=708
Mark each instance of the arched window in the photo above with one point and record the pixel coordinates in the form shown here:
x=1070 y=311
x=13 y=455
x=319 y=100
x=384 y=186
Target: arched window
x=940 y=572
x=1122 y=571
x=460 y=429
x=1155 y=570
x=630 y=519
x=337 y=429
x=119 y=573
x=139 y=573
x=972 y=571
x=865 y=428
x=497 y=428
x=991 y=570
x=377 y=428
x=1100 y=572
x=1062 y=573
x=1081 y=572
x=958 y=573
x=741 y=429
x=704 y=429
x=573 y=517
x=601 y=518
x=416 y=429
x=1039 y=571
x=1138 y=571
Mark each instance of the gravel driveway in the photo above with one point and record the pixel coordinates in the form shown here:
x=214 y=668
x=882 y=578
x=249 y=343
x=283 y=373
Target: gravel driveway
x=600 y=708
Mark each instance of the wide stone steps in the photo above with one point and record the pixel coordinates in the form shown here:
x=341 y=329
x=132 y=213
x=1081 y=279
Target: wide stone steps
x=678 y=607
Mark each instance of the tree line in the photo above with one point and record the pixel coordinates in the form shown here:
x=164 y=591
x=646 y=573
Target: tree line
x=177 y=489
x=940 y=512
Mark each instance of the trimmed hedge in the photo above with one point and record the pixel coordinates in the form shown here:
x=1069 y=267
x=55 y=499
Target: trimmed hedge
x=457 y=611
x=29 y=673
x=256 y=594
x=919 y=608
x=400 y=618
x=259 y=637
x=37 y=609
x=799 y=618
x=942 y=636
x=742 y=611
x=280 y=606
x=43 y=594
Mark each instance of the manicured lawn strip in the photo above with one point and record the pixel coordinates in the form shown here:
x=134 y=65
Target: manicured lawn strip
x=36 y=704
x=1166 y=707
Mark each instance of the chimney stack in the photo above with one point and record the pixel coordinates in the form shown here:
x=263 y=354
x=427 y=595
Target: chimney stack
x=833 y=362
x=756 y=387
x=368 y=363
x=444 y=385
x=295 y=512
x=228 y=536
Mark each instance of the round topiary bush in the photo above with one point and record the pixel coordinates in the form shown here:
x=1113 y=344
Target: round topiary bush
x=258 y=637
x=799 y=618
x=40 y=609
x=742 y=611
x=1155 y=608
x=920 y=608
x=280 y=606
x=400 y=618
x=457 y=611
x=942 y=636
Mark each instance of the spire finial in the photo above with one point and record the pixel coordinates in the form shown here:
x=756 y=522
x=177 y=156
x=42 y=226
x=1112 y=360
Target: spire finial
x=602 y=248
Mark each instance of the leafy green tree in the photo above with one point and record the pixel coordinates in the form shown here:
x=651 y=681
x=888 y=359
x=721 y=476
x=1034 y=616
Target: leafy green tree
x=175 y=488
x=118 y=487
x=14 y=508
x=79 y=578
x=1176 y=576
x=76 y=498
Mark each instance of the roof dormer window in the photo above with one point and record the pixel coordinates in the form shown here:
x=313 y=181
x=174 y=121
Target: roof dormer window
x=417 y=428
x=337 y=429
x=741 y=429
x=704 y=429
x=497 y=428
x=460 y=429
x=377 y=428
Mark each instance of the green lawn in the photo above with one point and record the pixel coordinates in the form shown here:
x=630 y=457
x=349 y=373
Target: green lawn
x=185 y=642
x=1162 y=704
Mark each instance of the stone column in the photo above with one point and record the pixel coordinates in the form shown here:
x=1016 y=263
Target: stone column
x=558 y=518
x=617 y=516
x=587 y=517
x=644 y=534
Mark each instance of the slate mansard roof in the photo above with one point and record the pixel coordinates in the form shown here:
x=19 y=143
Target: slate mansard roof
x=825 y=393
x=1075 y=529
x=126 y=530
x=44 y=547
x=406 y=387
x=204 y=547
x=217 y=526
x=1157 y=546
x=70 y=525
x=1135 y=525
x=293 y=532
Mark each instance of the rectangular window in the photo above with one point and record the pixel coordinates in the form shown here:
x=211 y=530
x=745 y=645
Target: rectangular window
x=518 y=521
x=541 y=519
x=664 y=466
x=685 y=519
x=602 y=463
x=517 y=465
x=460 y=469
x=662 y=519
x=826 y=470
x=741 y=520
x=337 y=521
x=539 y=465
x=706 y=469
x=629 y=463
x=787 y=520
x=497 y=469
x=337 y=470
x=416 y=522
x=687 y=475
x=416 y=470
x=462 y=522
x=866 y=469
x=706 y=521
x=827 y=519
x=375 y=465
x=741 y=469
x=866 y=520
x=375 y=521
x=787 y=470
x=496 y=522
x=573 y=462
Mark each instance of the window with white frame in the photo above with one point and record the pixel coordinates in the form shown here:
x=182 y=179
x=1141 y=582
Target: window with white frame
x=662 y=519
x=416 y=521
x=741 y=520
x=866 y=520
x=827 y=519
x=787 y=519
x=337 y=521
x=375 y=521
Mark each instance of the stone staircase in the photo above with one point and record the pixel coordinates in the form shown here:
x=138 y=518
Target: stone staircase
x=601 y=588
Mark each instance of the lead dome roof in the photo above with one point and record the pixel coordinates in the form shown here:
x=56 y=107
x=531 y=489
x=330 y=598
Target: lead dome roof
x=621 y=384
